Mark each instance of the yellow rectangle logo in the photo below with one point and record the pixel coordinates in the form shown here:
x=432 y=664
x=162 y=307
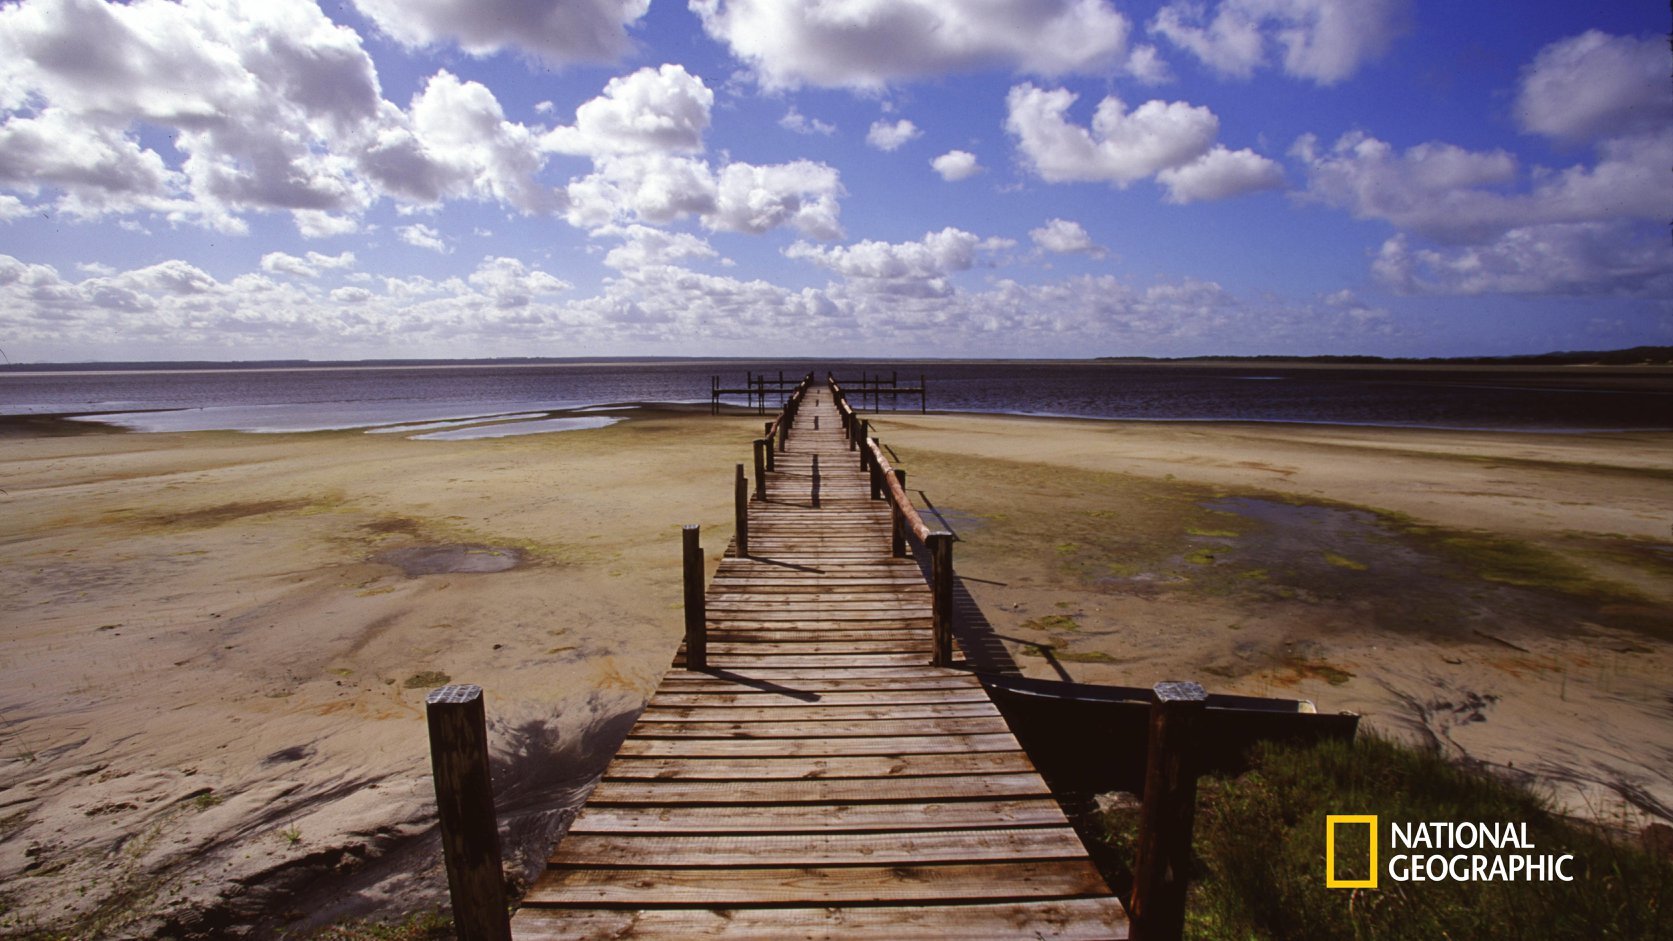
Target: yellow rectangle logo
x=1330 y=822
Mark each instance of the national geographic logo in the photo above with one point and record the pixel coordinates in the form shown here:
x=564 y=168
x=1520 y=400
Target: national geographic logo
x=1434 y=851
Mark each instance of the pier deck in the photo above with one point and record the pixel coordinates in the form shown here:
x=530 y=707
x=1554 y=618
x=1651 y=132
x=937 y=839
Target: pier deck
x=819 y=778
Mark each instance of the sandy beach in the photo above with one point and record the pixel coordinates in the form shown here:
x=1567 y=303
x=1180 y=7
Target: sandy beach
x=217 y=644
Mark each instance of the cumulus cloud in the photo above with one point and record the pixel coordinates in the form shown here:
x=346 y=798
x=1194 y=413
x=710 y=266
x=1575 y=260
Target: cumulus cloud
x=888 y=136
x=1146 y=64
x=555 y=31
x=794 y=120
x=268 y=107
x=662 y=110
x=1220 y=174
x=511 y=283
x=1596 y=85
x=1453 y=194
x=1324 y=41
x=739 y=197
x=1565 y=259
x=956 y=165
x=1064 y=236
x=643 y=247
x=461 y=125
x=864 y=44
x=309 y=266
x=1120 y=147
x=1474 y=222
x=919 y=268
x=422 y=236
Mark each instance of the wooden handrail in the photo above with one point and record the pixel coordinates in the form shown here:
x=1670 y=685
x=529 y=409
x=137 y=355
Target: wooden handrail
x=896 y=494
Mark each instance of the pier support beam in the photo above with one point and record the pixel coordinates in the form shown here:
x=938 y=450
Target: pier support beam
x=740 y=488
x=465 y=804
x=1165 y=822
x=941 y=595
x=696 y=614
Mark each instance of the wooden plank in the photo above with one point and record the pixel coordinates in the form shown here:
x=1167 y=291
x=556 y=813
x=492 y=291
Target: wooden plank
x=791 y=697
x=796 y=727
x=1093 y=919
x=822 y=849
x=962 y=815
x=887 y=745
x=819 y=768
x=823 y=791
x=801 y=712
x=816 y=885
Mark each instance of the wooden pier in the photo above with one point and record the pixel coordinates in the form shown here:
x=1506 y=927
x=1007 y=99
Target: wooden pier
x=820 y=769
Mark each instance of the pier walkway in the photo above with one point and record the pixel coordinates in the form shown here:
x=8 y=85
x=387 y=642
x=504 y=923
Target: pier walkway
x=819 y=778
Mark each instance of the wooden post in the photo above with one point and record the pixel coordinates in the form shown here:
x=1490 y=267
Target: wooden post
x=761 y=468
x=816 y=423
x=1170 y=800
x=923 y=396
x=815 y=490
x=865 y=437
x=783 y=438
x=470 y=838
x=876 y=473
x=897 y=541
x=941 y=595
x=740 y=489
x=696 y=617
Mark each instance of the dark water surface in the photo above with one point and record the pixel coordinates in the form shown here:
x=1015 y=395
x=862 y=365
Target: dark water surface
x=1570 y=399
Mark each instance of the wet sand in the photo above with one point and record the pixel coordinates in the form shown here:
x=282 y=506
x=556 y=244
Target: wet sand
x=217 y=644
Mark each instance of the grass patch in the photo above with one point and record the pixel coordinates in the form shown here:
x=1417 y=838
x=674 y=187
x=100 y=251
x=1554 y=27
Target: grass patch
x=427 y=680
x=1212 y=533
x=1260 y=856
x=421 y=926
x=1343 y=562
x=1200 y=557
x=1319 y=669
x=1084 y=656
x=207 y=800
x=1052 y=622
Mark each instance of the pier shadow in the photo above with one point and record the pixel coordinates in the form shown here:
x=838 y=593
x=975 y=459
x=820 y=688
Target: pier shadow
x=983 y=647
x=756 y=683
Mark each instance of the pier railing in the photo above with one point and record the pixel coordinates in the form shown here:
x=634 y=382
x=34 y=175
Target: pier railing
x=888 y=483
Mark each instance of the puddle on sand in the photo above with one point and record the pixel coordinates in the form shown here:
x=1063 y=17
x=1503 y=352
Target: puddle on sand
x=1346 y=556
x=436 y=560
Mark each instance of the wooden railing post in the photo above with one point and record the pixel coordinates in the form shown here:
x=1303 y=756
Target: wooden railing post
x=876 y=474
x=815 y=490
x=696 y=617
x=897 y=541
x=941 y=595
x=470 y=838
x=740 y=489
x=864 y=436
x=1170 y=800
x=761 y=446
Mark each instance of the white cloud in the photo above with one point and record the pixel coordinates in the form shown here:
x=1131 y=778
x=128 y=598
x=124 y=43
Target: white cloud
x=1146 y=64
x=12 y=208
x=1449 y=193
x=422 y=236
x=1121 y=146
x=886 y=136
x=663 y=110
x=1220 y=174
x=1325 y=41
x=956 y=165
x=461 y=125
x=914 y=269
x=643 y=247
x=556 y=32
x=867 y=44
x=511 y=283
x=1563 y=258
x=794 y=120
x=267 y=107
x=739 y=197
x=802 y=194
x=305 y=267
x=1596 y=85
x=1064 y=236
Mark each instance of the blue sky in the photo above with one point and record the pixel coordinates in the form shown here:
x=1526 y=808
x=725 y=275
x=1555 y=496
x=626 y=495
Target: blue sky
x=1028 y=178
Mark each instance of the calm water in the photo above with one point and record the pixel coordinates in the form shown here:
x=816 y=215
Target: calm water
x=299 y=399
